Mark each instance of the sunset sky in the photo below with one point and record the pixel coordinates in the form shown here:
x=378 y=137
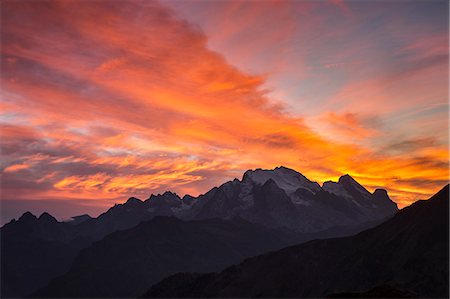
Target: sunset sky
x=104 y=100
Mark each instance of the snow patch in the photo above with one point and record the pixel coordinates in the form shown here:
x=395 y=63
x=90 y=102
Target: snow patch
x=287 y=179
x=336 y=189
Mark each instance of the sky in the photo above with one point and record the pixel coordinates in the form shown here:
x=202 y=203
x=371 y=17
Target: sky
x=104 y=100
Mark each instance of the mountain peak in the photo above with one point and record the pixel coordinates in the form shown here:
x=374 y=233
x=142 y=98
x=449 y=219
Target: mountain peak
x=27 y=216
x=172 y=196
x=287 y=179
x=350 y=184
x=47 y=217
x=169 y=193
x=380 y=192
x=284 y=169
x=188 y=199
x=441 y=195
x=346 y=178
x=133 y=200
x=380 y=196
x=277 y=169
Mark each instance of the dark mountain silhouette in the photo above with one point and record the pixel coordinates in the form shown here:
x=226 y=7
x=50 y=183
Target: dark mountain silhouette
x=131 y=213
x=78 y=219
x=281 y=198
x=124 y=263
x=34 y=250
x=382 y=291
x=55 y=244
x=407 y=254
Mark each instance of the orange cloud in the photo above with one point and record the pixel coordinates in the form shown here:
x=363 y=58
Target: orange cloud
x=133 y=101
x=16 y=167
x=347 y=126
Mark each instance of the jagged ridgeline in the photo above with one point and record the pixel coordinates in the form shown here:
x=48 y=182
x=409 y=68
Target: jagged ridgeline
x=406 y=256
x=281 y=205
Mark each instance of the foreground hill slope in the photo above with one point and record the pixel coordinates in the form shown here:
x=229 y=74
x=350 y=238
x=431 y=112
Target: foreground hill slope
x=125 y=263
x=408 y=252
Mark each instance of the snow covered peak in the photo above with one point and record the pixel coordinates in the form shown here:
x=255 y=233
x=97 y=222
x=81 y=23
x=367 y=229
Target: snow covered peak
x=351 y=185
x=287 y=179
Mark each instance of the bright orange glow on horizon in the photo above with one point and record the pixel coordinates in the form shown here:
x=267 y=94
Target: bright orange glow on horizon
x=104 y=100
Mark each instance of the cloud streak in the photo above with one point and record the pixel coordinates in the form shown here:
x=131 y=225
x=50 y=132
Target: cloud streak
x=102 y=100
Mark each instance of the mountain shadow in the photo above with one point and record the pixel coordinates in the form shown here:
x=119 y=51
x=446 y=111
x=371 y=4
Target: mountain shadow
x=34 y=250
x=125 y=263
x=408 y=254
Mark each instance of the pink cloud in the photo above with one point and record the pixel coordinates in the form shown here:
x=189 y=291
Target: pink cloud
x=134 y=101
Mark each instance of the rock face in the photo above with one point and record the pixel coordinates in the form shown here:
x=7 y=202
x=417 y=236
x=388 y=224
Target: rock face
x=283 y=197
x=408 y=254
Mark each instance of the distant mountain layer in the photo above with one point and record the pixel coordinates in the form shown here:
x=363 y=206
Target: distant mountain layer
x=408 y=254
x=283 y=197
x=275 y=198
x=280 y=199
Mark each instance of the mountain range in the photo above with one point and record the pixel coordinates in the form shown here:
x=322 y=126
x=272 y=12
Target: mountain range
x=408 y=255
x=279 y=201
x=283 y=197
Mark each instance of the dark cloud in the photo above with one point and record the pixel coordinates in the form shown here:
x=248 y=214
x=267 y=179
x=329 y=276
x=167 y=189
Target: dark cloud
x=421 y=183
x=276 y=140
x=411 y=144
x=122 y=98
